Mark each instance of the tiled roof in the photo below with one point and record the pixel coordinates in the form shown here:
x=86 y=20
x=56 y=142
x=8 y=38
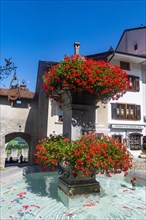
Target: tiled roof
x=101 y=56
x=24 y=93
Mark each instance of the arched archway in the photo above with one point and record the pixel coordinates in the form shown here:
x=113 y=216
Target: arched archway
x=26 y=137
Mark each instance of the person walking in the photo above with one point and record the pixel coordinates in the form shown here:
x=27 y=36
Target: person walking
x=21 y=158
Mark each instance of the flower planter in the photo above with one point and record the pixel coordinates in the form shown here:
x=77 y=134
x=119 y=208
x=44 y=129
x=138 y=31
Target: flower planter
x=77 y=184
x=79 y=161
x=83 y=98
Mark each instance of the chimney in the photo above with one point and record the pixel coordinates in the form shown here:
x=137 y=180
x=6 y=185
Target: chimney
x=76 y=48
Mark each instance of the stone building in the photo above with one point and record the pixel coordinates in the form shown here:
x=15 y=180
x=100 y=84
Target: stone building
x=18 y=114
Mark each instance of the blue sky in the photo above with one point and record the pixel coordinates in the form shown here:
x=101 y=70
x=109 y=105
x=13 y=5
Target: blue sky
x=46 y=30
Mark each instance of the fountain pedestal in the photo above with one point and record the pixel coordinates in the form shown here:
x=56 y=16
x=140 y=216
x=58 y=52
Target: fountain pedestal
x=78 y=184
x=72 y=188
x=78 y=200
x=78 y=117
x=78 y=113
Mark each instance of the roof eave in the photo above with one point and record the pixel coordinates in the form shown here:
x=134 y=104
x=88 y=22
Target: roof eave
x=131 y=57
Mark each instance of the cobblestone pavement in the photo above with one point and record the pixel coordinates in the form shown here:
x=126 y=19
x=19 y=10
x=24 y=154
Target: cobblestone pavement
x=139 y=164
x=11 y=171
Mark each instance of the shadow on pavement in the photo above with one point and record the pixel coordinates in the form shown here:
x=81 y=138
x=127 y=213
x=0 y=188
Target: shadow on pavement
x=24 y=164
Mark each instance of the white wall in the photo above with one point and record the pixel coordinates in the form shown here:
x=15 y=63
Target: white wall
x=130 y=97
x=53 y=124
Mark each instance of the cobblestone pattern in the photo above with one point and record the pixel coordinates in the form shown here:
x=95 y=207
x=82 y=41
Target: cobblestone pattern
x=139 y=164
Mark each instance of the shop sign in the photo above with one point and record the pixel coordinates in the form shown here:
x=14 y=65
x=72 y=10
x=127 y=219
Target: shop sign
x=128 y=126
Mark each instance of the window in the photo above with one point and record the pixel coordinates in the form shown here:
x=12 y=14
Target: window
x=130 y=111
x=121 y=111
x=59 y=113
x=134 y=83
x=126 y=111
x=20 y=104
x=60 y=118
x=135 y=47
x=135 y=141
x=124 y=65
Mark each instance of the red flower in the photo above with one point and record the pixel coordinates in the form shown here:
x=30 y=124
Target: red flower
x=80 y=74
x=89 y=154
x=25 y=207
x=79 y=161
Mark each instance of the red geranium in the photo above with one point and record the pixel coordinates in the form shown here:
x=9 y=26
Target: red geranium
x=89 y=154
x=80 y=74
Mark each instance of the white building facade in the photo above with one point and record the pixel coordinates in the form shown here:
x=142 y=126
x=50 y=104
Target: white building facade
x=127 y=115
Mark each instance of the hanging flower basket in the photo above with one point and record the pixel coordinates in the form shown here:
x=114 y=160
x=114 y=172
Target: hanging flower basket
x=79 y=74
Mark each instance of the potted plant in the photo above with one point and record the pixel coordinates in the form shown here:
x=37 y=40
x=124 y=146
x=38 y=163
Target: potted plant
x=79 y=161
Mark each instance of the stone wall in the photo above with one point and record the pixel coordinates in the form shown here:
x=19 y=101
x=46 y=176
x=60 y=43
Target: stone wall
x=18 y=122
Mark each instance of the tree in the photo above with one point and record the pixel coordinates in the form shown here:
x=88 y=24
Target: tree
x=6 y=70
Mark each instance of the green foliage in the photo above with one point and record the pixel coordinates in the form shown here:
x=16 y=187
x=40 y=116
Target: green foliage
x=88 y=154
x=8 y=152
x=16 y=146
x=17 y=143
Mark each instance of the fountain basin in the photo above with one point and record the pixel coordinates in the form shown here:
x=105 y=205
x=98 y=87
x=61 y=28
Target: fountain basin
x=35 y=196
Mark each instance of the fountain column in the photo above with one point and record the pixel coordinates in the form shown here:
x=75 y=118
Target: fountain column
x=78 y=118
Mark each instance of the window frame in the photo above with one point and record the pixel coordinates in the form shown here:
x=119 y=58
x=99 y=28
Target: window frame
x=135 y=83
x=135 y=142
x=60 y=118
x=125 y=65
x=131 y=111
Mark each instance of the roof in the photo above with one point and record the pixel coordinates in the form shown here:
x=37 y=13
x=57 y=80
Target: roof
x=108 y=56
x=24 y=93
x=131 y=54
x=48 y=63
x=126 y=30
x=101 y=56
x=130 y=29
x=128 y=57
x=43 y=66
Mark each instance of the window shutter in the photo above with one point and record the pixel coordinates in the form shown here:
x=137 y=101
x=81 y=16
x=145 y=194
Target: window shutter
x=114 y=110
x=138 y=112
x=137 y=83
